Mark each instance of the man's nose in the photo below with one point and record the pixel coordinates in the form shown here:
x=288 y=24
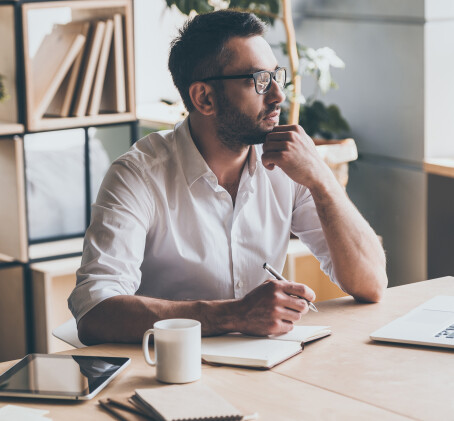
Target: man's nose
x=275 y=94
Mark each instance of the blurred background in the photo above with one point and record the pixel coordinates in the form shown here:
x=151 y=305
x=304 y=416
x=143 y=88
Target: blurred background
x=383 y=66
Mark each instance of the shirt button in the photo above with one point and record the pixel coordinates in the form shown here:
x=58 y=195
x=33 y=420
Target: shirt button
x=224 y=195
x=239 y=284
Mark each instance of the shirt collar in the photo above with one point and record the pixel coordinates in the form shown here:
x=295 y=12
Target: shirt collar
x=194 y=166
x=252 y=159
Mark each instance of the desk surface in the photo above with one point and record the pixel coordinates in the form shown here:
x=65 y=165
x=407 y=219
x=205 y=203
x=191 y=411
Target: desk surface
x=345 y=376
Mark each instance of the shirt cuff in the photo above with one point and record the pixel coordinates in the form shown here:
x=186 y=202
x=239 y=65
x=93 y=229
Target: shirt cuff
x=89 y=294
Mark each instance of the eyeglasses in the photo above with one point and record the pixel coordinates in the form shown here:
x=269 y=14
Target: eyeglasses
x=262 y=79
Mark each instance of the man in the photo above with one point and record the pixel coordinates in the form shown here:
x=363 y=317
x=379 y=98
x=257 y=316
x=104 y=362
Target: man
x=185 y=220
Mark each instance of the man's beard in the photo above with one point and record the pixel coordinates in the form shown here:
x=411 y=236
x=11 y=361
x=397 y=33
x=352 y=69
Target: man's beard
x=237 y=130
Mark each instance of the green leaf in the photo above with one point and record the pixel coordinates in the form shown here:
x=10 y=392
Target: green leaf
x=186 y=6
x=284 y=48
x=260 y=8
x=3 y=92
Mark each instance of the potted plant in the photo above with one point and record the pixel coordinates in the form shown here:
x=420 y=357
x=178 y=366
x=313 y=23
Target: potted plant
x=3 y=92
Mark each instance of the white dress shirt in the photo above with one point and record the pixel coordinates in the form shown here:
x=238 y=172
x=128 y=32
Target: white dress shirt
x=163 y=227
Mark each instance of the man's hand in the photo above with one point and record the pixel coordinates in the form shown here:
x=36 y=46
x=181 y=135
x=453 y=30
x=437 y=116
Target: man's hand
x=291 y=149
x=266 y=310
x=272 y=308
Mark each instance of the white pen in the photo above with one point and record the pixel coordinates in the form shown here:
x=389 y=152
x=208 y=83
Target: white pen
x=277 y=275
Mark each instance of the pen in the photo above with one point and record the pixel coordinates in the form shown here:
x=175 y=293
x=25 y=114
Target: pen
x=111 y=411
x=277 y=275
x=129 y=408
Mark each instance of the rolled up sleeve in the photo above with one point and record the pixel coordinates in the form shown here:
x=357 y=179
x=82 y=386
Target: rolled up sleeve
x=115 y=241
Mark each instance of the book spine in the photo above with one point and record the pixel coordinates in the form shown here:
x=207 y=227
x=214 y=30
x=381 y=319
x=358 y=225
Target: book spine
x=58 y=79
x=90 y=69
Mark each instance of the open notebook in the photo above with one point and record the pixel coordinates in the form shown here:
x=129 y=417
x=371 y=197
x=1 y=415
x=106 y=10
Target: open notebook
x=249 y=351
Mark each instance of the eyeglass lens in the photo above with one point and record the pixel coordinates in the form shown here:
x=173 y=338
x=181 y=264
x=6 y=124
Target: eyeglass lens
x=263 y=80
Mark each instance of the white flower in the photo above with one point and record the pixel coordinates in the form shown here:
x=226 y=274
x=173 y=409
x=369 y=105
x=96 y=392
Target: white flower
x=298 y=96
x=318 y=62
x=329 y=55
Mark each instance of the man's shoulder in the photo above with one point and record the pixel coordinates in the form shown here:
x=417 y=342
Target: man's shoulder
x=151 y=151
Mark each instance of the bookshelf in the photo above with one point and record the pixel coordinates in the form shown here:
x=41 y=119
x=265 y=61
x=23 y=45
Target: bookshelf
x=53 y=282
x=13 y=230
x=37 y=274
x=64 y=51
x=9 y=119
x=12 y=311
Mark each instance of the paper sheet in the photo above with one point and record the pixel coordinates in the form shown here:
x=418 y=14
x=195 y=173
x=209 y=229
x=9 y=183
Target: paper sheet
x=22 y=413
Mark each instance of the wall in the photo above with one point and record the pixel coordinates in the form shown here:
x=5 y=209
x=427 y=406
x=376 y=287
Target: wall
x=396 y=92
x=155 y=26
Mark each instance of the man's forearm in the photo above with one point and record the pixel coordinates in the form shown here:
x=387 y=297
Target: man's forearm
x=269 y=309
x=125 y=318
x=358 y=257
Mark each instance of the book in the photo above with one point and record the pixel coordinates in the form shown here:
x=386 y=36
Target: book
x=192 y=401
x=61 y=103
x=98 y=84
x=51 y=64
x=114 y=91
x=89 y=68
x=259 y=352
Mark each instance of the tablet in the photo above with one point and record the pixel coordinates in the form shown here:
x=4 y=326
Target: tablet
x=74 y=377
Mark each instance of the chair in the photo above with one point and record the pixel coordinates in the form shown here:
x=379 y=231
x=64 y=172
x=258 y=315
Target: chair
x=67 y=332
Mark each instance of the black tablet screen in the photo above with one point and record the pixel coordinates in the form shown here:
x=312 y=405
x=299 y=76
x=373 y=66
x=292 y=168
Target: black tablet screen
x=59 y=375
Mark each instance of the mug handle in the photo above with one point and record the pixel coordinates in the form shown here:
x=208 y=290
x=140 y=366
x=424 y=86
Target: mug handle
x=146 y=353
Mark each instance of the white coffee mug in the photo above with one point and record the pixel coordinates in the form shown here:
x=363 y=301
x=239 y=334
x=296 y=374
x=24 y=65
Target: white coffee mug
x=178 y=350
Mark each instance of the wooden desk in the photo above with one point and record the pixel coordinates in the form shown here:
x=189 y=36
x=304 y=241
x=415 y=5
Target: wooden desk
x=343 y=377
x=409 y=380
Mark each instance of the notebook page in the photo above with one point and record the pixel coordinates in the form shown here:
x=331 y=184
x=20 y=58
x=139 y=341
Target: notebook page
x=304 y=333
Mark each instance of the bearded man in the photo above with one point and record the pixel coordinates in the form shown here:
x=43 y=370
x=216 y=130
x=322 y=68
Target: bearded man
x=185 y=220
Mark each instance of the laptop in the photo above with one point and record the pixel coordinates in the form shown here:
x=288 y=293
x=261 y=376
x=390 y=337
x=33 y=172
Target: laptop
x=431 y=324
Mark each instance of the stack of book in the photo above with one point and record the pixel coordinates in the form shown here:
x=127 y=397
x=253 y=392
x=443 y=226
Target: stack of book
x=79 y=70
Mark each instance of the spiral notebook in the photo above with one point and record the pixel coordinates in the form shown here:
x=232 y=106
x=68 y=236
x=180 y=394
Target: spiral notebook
x=186 y=402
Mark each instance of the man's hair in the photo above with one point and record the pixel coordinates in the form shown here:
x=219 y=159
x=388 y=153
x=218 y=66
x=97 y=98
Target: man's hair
x=199 y=50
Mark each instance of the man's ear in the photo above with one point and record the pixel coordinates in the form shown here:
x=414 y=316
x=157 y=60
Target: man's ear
x=202 y=97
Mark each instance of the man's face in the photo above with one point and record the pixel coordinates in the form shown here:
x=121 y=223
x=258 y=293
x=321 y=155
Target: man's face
x=244 y=117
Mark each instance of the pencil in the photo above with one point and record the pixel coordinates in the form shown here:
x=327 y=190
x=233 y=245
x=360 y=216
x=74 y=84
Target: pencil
x=111 y=411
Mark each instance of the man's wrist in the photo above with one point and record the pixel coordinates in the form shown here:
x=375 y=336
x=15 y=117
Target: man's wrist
x=324 y=185
x=218 y=317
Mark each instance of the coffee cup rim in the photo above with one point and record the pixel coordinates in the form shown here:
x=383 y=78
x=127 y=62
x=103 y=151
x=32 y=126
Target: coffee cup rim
x=191 y=324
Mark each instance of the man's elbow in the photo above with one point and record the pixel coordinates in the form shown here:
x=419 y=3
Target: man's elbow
x=374 y=290
x=87 y=332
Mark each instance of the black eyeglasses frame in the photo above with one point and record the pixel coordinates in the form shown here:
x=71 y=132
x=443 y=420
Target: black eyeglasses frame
x=252 y=76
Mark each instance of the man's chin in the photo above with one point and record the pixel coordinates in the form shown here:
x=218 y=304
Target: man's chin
x=257 y=139
x=268 y=125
